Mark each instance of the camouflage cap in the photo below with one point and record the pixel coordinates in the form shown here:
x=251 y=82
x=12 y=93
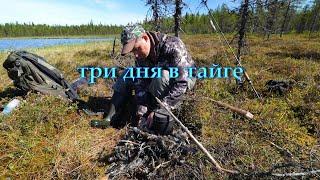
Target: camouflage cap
x=129 y=35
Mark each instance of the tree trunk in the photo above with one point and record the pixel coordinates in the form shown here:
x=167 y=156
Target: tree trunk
x=155 y=9
x=242 y=31
x=315 y=17
x=257 y=18
x=285 y=18
x=302 y=20
x=271 y=17
x=243 y=23
x=177 y=17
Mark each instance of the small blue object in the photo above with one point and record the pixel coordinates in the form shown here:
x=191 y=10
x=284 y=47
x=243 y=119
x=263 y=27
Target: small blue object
x=10 y=106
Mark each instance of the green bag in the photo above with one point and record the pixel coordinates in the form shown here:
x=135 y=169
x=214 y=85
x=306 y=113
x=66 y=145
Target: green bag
x=31 y=72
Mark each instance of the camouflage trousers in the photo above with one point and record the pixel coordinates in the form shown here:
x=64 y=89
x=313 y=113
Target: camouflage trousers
x=158 y=87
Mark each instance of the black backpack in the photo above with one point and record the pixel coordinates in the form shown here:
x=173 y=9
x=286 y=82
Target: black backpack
x=31 y=72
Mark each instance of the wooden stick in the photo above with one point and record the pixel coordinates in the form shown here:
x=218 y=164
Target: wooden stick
x=114 y=44
x=203 y=149
x=232 y=108
x=237 y=110
x=296 y=174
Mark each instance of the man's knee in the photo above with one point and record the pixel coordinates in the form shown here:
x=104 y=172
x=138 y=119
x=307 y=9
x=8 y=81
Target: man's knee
x=160 y=86
x=123 y=86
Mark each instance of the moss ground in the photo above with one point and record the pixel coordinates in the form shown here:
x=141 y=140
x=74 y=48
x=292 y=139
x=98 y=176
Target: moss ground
x=46 y=137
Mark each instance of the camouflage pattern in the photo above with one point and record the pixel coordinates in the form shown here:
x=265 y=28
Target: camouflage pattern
x=131 y=32
x=170 y=51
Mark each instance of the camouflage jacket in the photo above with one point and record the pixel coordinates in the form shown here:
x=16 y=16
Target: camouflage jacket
x=169 y=51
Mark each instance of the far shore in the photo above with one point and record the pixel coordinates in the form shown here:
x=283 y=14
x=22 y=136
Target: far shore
x=65 y=37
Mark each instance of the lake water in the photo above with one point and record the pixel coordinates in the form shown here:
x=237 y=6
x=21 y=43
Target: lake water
x=23 y=43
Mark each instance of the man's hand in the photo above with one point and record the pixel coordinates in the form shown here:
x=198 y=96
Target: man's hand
x=141 y=110
x=146 y=123
x=164 y=103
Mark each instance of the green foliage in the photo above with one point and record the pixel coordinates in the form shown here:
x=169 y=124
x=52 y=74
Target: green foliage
x=29 y=30
x=228 y=19
x=299 y=21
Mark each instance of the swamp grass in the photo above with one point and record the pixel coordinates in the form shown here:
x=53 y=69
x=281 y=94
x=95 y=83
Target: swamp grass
x=46 y=137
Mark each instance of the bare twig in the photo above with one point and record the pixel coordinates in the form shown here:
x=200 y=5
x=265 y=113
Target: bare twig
x=130 y=142
x=296 y=174
x=285 y=152
x=237 y=110
x=232 y=108
x=160 y=165
x=203 y=149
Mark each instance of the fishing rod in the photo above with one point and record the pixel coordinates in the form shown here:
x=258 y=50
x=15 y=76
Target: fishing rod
x=218 y=29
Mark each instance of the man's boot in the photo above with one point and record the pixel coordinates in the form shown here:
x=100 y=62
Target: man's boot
x=117 y=102
x=106 y=121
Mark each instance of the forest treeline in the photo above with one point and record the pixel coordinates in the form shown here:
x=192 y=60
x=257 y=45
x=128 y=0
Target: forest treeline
x=273 y=16
x=31 y=29
x=264 y=16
